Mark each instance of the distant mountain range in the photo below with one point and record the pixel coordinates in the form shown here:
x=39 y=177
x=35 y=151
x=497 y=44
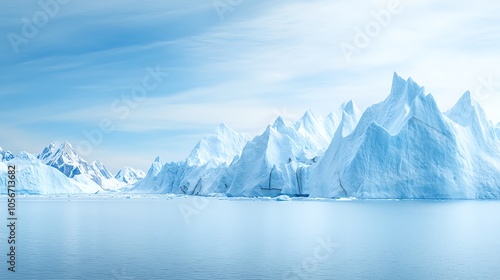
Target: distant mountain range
x=58 y=169
x=403 y=147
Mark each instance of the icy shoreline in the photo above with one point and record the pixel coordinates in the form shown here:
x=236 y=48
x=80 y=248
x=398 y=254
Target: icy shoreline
x=280 y=198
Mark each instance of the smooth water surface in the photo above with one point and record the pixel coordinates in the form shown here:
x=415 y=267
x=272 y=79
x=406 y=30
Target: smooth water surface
x=193 y=238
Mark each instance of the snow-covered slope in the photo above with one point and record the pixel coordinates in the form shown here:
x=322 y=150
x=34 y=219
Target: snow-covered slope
x=219 y=147
x=64 y=158
x=404 y=147
x=5 y=155
x=226 y=162
x=279 y=160
x=199 y=172
x=307 y=147
x=34 y=177
x=349 y=115
x=469 y=114
x=314 y=130
x=129 y=176
x=148 y=183
x=267 y=165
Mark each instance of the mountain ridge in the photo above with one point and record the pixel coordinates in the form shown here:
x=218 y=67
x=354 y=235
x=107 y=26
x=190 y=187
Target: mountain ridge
x=403 y=147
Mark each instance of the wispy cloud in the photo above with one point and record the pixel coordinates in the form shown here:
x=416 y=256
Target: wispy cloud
x=263 y=58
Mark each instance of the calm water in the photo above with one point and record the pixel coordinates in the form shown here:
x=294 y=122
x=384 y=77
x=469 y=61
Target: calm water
x=183 y=238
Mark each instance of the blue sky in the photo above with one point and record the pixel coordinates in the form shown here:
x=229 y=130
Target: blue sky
x=239 y=62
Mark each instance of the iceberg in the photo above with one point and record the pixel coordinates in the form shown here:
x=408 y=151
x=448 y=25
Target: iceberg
x=404 y=147
x=129 y=176
x=204 y=170
x=219 y=147
x=283 y=197
x=267 y=166
x=278 y=161
x=231 y=164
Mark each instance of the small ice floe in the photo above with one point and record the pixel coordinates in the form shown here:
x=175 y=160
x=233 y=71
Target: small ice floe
x=317 y=198
x=346 y=198
x=283 y=197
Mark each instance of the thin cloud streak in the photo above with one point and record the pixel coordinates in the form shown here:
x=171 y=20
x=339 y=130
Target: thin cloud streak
x=262 y=59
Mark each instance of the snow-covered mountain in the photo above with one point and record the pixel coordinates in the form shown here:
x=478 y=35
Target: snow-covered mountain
x=198 y=174
x=219 y=147
x=302 y=132
x=314 y=130
x=273 y=162
x=404 y=147
x=34 y=177
x=267 y=165
x=5 y=155
x=129 y=176
x=64 y=158
x=279 y=160
x=58 y=169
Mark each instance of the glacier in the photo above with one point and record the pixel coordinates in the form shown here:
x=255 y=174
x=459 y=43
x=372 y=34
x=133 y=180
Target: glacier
x=202 y=171
x=403 y=147
x=278 y=161
x=129 y=175
x=272 y=163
